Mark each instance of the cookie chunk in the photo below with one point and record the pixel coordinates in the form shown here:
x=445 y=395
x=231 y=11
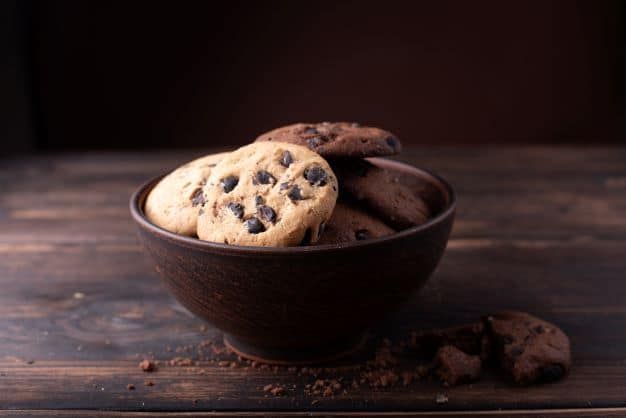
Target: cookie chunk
x=338 y=139
x=453 y=366
x=396 y=203
x=268 y=194
x=350 y=223
x=469 y=338
x=528 y=348
x=173 y=204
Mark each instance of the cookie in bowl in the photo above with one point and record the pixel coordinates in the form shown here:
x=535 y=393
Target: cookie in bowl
x=337 y=139
x=173 y=204
x=268 y=194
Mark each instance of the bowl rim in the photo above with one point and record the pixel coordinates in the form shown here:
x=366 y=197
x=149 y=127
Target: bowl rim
x=139 y=217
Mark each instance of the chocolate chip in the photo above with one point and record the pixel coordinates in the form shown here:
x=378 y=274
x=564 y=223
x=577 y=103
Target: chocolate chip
x=258 y=200
x=236 y=209
x=201 y=211
x=295 y=193
x=229 y=183
x=507 y=340
x=392 y=142
x=306 y=240
x=311 y=131
x=286 y=159
x=315 y=175
x=538 y=329
x=314 y=142
x=263 y=177
x=516 y=352
x=361 y=234
x=266 y=213
x=552 y=372
x=197 y=197
x=284 y=186
x=254 y=226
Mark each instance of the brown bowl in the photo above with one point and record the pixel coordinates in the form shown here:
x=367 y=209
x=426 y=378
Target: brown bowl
x=300 y=304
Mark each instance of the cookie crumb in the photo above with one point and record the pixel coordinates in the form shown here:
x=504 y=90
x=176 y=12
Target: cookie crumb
x=147 y=365
x=441 y=398
x=148 y=383
x=274 y=389
x=130 y=386
x=181 y=362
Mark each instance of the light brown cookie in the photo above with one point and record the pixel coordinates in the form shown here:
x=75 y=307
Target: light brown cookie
x=268 y=194
x=174 y=202
x=381 y=190
x=337 y=139
x=350 y=222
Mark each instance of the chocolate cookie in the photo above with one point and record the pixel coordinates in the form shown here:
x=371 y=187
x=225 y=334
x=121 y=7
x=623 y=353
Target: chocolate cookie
x=173 y=204
x=453 y=366
x=268 y=194
x=528 y=348
x=351 y=223
x=338 y=139
x=396 y=203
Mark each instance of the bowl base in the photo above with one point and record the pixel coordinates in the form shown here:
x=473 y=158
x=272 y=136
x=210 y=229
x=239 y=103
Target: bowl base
x=296 y=356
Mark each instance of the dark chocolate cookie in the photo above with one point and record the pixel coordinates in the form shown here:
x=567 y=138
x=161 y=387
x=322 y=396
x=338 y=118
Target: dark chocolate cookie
x=528 y=348
x=338 y=139
x=351 y=223
x=397 y=204
x=453 y=366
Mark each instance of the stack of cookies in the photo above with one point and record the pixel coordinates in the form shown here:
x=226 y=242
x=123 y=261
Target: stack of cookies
x=302 y=184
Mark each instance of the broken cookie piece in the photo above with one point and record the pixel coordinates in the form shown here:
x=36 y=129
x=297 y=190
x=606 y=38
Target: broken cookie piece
x=529 y=349
x=454 y=367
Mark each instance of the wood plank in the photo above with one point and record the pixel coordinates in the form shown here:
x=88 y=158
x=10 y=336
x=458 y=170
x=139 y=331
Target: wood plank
x=579 y=413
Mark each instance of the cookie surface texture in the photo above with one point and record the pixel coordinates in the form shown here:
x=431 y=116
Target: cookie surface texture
x=397 y=204
x=268 y=194
x=173 y=204
x=350 y=223
x=337 y=139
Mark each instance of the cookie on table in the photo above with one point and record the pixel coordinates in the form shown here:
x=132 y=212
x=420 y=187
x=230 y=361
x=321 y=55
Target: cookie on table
x=268 y=194
x=454 y=367
x=174 y=202
x=528 y=348
x=337 y=139
x=350 y=223
x=381 y=190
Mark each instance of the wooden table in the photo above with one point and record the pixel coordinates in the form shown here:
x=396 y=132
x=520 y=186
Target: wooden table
x=538 y=229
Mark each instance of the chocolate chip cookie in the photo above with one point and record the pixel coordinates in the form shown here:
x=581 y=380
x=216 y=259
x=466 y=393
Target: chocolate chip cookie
x=173 y=204
x=268 y=194
x=350 y=223
x=337 y=140
x=528 y=348
x=381 y=190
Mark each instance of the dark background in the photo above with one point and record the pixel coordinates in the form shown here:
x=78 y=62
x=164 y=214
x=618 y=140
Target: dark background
x=106 y=74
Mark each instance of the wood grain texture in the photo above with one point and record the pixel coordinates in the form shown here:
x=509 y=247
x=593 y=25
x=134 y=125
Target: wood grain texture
x=538 y=229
